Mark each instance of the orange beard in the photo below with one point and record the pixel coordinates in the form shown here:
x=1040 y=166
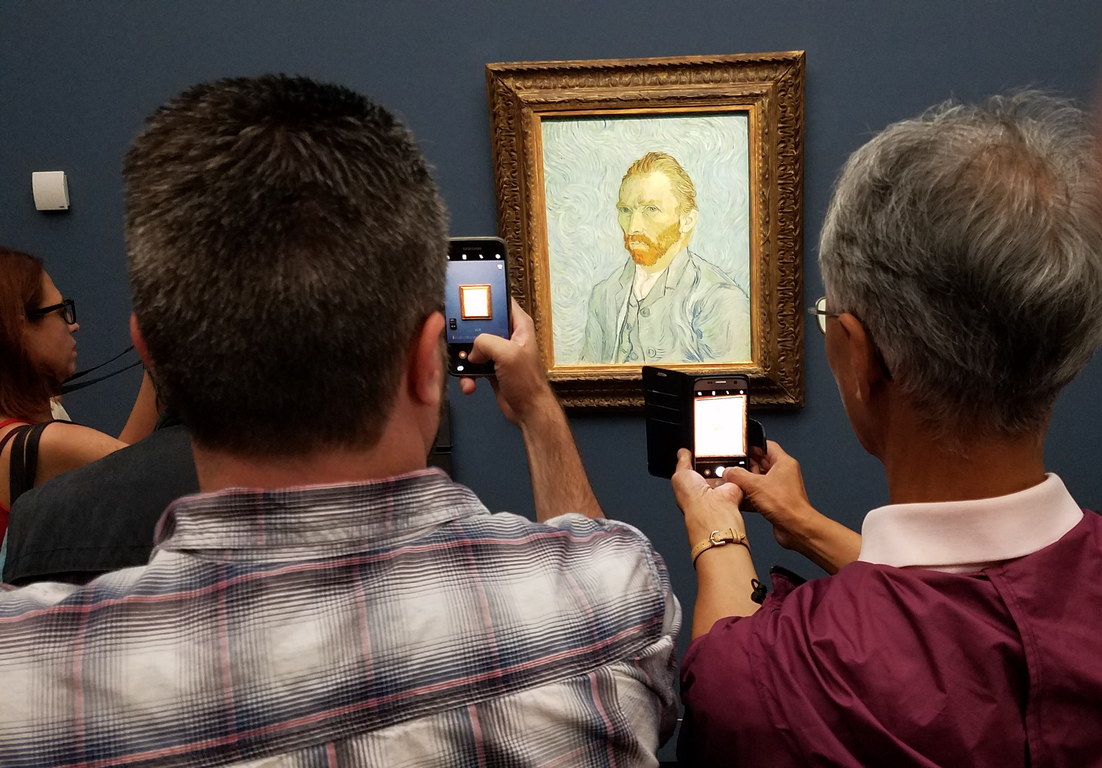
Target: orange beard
x=646 y=251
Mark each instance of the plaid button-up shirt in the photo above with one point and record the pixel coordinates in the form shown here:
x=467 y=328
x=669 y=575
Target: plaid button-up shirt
x=390 y=623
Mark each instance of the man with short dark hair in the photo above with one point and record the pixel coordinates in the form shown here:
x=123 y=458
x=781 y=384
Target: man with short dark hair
x=666 y=304
x=326 y=599
x=962 y=261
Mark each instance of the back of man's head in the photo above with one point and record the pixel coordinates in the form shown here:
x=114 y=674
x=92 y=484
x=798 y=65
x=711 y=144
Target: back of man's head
x=966 y=242
x=285 y=241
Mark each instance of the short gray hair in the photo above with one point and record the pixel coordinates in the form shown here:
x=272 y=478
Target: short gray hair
x=967 y=242
x=285 y=242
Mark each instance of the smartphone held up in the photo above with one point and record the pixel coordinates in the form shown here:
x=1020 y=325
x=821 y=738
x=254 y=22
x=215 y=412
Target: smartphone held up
x=476 y=299
x=706 y=414
x=719 y=424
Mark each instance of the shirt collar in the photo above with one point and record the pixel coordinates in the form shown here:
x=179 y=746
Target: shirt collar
x=673 y=270
x=333 y=516
x=969 y=535
x=677 y=268
x=645 y=281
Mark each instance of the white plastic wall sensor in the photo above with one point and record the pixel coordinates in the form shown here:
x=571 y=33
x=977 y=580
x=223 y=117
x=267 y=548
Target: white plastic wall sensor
x=51 y=190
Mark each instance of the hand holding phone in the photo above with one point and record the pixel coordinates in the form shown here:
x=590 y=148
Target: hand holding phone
x=476 y=300
x=519 y=378
x=705 y=414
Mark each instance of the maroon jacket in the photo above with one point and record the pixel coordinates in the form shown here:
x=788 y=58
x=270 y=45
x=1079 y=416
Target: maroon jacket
x=883 y=666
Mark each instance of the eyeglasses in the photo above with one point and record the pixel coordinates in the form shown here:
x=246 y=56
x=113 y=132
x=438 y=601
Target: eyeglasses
x=67 y=307
x=821 y=314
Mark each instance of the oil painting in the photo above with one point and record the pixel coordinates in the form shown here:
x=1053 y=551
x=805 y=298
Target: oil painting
x=653 y=214
x=648 y=238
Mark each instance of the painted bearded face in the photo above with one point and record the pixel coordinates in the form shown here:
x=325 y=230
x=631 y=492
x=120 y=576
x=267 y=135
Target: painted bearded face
x=646 y=250
x=649 y=215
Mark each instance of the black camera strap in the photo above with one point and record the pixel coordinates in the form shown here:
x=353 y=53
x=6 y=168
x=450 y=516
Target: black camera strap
x=68 y=386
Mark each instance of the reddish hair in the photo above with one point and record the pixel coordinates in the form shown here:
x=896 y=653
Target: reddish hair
x=24 y=387
x=680 y=183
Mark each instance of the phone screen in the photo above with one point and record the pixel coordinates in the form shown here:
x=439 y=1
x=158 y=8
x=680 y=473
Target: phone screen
x=476 y=299
x=719 y=424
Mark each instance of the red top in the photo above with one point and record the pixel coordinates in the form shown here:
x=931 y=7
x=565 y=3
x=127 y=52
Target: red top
x=6 y=422
x=909 y=667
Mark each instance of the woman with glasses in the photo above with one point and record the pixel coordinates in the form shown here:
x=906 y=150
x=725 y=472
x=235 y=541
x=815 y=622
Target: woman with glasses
x=37 y=354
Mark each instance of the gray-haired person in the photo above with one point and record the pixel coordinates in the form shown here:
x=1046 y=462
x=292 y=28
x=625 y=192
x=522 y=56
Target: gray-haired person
x=327 y=599
x=962 y=260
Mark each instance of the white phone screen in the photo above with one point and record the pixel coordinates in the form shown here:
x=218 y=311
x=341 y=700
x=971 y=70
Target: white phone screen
x=719 y=425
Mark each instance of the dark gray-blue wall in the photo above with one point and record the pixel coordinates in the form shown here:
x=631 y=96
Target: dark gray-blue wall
x=77 y=77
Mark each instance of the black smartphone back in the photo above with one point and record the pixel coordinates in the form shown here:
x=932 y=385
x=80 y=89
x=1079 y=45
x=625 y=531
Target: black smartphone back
x=476 y=299
x=669 y=403
x=667 y=395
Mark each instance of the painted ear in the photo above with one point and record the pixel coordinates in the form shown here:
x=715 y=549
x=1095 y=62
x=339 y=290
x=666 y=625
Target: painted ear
x=688 y=221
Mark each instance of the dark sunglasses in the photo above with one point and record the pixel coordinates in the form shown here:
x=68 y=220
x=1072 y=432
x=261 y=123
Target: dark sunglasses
x=67 y=307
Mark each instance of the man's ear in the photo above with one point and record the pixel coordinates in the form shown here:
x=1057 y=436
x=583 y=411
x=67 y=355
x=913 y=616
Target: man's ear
x=688 y=221
x=427 y=361
x=862 y=357
x=138 y=341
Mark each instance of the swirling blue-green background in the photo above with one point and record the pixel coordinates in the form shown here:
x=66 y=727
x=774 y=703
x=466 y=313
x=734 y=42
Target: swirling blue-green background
x=584 y=160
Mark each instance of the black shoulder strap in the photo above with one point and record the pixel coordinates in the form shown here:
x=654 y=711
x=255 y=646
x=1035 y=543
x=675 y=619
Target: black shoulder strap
x=24 y=460
x=4 y=440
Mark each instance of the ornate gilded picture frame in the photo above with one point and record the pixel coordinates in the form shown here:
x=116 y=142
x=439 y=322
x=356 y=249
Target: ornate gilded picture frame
x=653 y=213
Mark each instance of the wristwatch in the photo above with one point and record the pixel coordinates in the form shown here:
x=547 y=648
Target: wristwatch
x=718 y=539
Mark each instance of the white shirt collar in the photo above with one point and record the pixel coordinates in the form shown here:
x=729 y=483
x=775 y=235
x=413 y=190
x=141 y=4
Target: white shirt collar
x=644 y=281
x=965 y=536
